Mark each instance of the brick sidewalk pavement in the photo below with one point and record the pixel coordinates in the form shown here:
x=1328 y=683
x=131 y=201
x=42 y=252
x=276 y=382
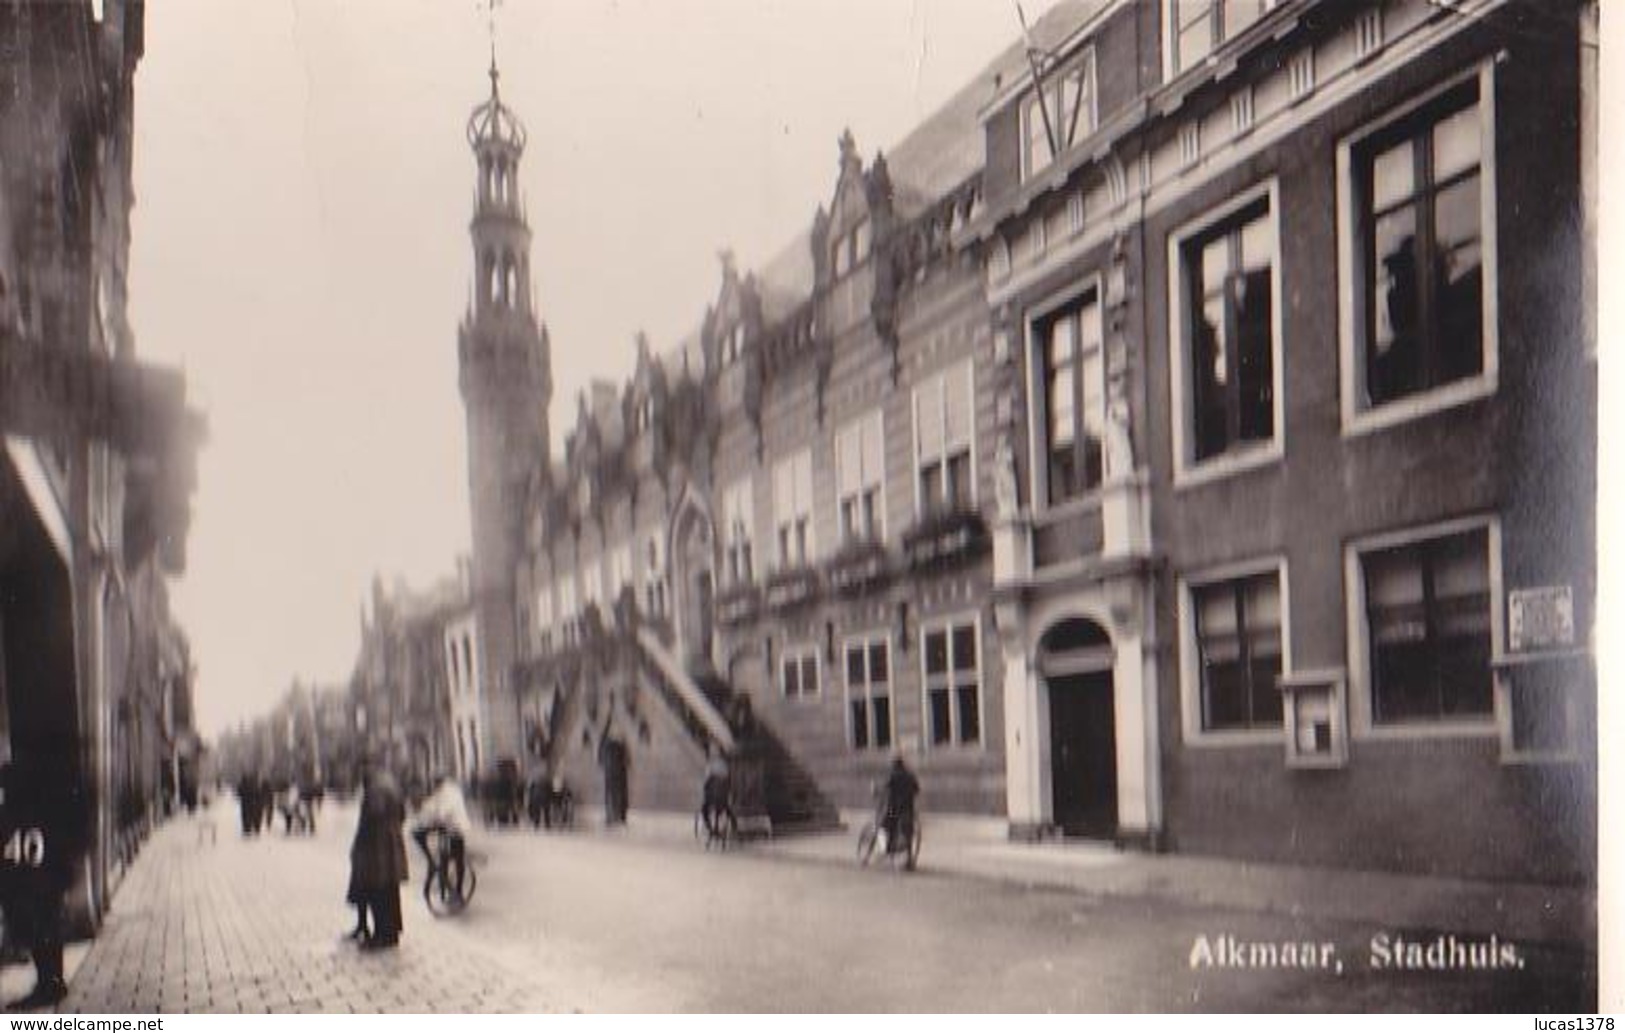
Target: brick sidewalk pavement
x=256 y=926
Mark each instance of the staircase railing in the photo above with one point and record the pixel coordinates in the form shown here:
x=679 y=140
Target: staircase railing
x=689 y=697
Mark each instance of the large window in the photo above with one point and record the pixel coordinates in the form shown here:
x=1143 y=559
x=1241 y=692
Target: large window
x=1198 y=27
x=1066 y=115
x=654 y=577
x=543 y=612
x=568 y=611
x=792 y=506
x=943 y=429
x=1071 y=370
x=1419 y=195
x=850 y=249
x=868 y=693
x=738 y=547
x=592 y=585
x=1229 y=333
x=798 y=672
x=860 y=477
x=620 y=572
x=1429 y=627
x=1239 y=648
x=953 y=684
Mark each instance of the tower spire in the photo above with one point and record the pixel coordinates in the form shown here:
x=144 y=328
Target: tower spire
x=491 y=31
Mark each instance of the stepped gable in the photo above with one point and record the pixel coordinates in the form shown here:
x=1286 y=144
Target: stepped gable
x=939 y=154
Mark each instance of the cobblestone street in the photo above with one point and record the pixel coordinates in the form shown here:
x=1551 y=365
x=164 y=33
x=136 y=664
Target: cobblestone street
x=643 y=920
x=256 y=926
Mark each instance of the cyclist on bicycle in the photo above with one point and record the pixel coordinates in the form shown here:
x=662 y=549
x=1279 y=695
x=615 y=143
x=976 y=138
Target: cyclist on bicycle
x=445 y=812
x=714 y=791
x=897 y=805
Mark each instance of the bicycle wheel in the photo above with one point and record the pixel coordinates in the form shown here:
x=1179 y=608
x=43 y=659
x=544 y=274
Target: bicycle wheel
x=436 y=894
x=866 y=843
x=725 y=829
x=913 y=857
x=442 y=897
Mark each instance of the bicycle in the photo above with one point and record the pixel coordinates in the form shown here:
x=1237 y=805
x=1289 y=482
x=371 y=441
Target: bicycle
x=443 y=896
x=874 y=835
x=720 y=831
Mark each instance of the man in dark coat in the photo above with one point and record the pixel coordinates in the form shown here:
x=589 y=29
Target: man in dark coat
x=378 y=858
x=43 y=821
x=248 y=803
x=614 y=757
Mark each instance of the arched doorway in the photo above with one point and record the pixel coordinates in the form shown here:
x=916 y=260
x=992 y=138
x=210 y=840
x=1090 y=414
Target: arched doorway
x=1075 y=661
x=693 y=580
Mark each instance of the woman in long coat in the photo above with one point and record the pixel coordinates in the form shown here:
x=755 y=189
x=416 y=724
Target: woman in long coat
x=378 y=858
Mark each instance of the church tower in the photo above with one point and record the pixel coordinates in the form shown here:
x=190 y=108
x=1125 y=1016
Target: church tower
x=505 y=374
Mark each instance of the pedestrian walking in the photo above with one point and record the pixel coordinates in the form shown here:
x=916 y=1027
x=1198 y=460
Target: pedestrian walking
x=614 y=758
x=378 y=860
x=268 y=797
x=43 y=821
x=248 y=803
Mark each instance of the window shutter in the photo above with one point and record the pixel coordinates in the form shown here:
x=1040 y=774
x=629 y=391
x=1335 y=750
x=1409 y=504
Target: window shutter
x=849 y=453
x=784 y=502
x=928 y=418
x=958 y=417
x=874 y=449
x=803 y=484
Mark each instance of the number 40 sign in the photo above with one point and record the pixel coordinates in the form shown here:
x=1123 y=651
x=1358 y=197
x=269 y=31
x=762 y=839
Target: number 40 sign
x=24 y=848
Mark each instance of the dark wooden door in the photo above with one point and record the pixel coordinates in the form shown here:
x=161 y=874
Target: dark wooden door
x=1083 y=751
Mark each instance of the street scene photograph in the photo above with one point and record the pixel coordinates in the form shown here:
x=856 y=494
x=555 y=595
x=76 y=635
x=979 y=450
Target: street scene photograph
x=826 y=506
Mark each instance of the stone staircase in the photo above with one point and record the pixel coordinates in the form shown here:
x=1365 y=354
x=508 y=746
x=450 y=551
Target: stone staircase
x=772 y=782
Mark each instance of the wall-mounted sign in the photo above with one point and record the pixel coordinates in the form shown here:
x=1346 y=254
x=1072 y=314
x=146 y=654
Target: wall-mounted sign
x=1540 y=618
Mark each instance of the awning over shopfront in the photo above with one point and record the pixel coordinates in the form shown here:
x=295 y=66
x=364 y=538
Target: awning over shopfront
x=50 y=394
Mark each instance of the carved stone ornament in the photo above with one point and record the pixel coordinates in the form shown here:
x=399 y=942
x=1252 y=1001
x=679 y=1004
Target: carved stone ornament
x=1004 y=478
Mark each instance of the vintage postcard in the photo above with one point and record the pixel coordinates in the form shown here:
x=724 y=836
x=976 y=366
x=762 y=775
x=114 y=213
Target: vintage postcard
x=850 y=506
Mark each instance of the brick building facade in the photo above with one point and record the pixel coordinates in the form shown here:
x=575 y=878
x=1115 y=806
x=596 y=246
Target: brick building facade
x=97 y=462
x=1201 y=456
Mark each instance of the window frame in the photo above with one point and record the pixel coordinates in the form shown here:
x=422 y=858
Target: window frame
x=804 y=511
x=622 y=574
x=1190 y=674
x=799 y=655
x=851 y=249
x=739 y=513
x=1188 y=470
x=867 y=641
x=871 y=422
x=1357 y=417
x=1171 y=66
x=1361 y=704
x=543 y=612
x=1038 y=389
x=947 y=623
x=1078 y=130
x=939 y=379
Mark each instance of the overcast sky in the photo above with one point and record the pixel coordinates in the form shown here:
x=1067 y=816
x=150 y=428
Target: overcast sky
x=303 y=188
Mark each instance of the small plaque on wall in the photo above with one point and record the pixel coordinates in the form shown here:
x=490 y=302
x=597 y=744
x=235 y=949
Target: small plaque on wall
x=1540 y=618
x=1315 y=725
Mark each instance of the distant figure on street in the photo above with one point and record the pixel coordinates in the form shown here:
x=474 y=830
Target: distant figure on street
x=378 y=860
x=248 y=803
x=897 y=805
x=714 y=793
x=310 y=798
x=43 y=821
x=613 y=757
x=269 y=797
